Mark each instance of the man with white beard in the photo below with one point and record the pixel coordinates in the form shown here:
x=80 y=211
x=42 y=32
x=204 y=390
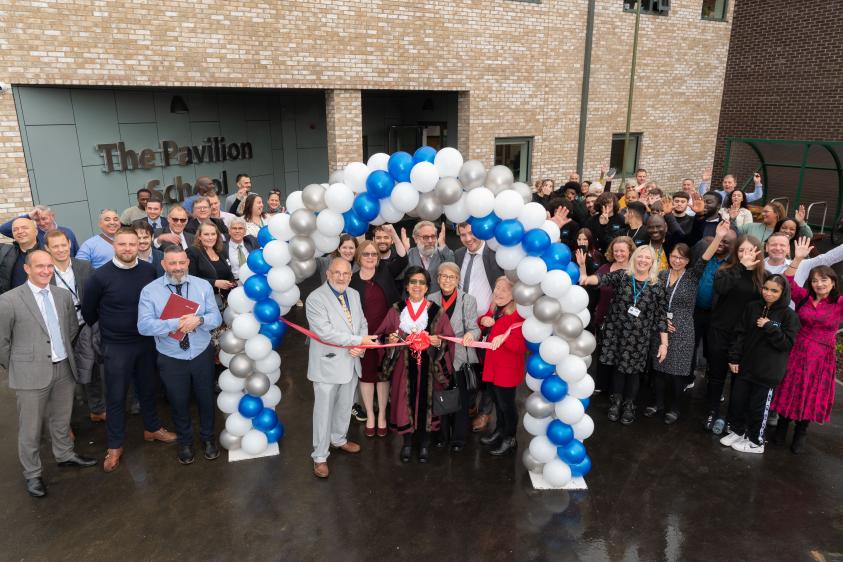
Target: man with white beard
x=429 y=251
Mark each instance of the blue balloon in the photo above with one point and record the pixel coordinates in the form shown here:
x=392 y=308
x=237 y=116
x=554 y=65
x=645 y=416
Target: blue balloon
x=557 y=255
x=581 y=468
x=366 y=207
x=559 y=432
x=538 y=367
x=256 y=262
x=276 y=433
x=534 y=347
x=264 y=236
x=585 y=403
x=572 y=452
x=257 y=287
x=250 y=406
x=379 y=184
x=354 y=225
x=424 y=154
x=535 y=242
x=554 y=389
x=573 y=271
x=265 y=420
x=509 y=232
x=266 y=311
x=483 y=228
x=273 y=330
x=399 y=166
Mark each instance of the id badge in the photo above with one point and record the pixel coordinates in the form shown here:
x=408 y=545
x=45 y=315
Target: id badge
x=634 y=311
x=670 y=316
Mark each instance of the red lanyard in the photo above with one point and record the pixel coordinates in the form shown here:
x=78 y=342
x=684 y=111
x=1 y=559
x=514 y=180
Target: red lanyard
x=415 y=316
x=446 y=303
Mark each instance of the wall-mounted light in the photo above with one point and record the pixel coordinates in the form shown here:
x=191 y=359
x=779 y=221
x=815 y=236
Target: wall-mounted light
x=177 y=105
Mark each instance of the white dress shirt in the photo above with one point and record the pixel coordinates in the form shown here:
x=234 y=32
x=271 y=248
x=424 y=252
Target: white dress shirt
x=478 y=284
x=36 y=292
x=233 y=260
x=67 y=280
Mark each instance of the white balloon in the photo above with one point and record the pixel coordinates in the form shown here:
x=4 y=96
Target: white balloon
x=276 y=253
x=531 y=270
x=533 y=383
x=508 y=204
x=584 y=428
x=237 y=424
x=553 y=350
x=583 y=388
x=388 y=211
x=339 y=198
x=493 y=244
x=287 y=298
x=535 y=331
x=325 y=244
x=294 y=202
x=238 y=300
x=258 y=347
x=584 y=315
x=254 y=442
x=569 y=410
x=225 y=358
x=524 y=311
x=354 y=176
x=404 y=197
x=536 y=426
x=230 y=383
x=556 y=473
x=532 y=215
x=281 y=278
x=273 y=376
x=330 y=223
x=508 y=257
x=269 y=363
x=378 y=220
x=556 y=283
x=378 y=161
x=480 y=202
x=228 y=402
x=279 y=227
x=272 y=397
x=542 y=449
x=571 y=369
x=448 y=162
x=552 y=230
x=576 y=299
x=424 y=176
x=244 y=273
x=245 y=326
x=457 y=212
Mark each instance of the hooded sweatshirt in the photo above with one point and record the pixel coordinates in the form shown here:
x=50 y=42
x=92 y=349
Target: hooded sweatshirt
x=762 y=352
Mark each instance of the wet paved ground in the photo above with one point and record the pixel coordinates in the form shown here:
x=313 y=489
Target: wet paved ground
x=656 y=493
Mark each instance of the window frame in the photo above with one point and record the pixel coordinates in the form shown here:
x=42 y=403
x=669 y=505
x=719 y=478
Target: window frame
x=528 y=141
x=629 y=8
x=725 y=12
x=638 y=136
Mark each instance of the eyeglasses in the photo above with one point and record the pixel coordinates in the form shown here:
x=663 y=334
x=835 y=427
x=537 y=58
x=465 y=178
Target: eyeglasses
x=427 y=237
x=341 y=273
x=201 y=208
x=448 y=277
x=369 y=255
x=416 y=282
x=173 y=219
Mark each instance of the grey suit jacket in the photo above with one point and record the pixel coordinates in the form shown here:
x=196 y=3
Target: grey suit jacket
x=490 y=264
x=463 y=319
x=25 y=341
x=327 y=319
x=82 y=270
x=441 y=255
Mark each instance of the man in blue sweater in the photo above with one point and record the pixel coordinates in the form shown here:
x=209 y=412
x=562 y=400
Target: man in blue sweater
x=45 y=219
x=112 y=295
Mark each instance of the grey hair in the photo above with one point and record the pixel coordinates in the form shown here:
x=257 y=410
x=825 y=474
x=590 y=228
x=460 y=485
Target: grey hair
x=422 y=224
x=448 y=265
x=44 y=209
x=237 y=220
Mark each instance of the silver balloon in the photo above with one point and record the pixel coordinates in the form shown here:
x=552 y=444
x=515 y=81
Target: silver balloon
x=569 y=326
x=472 y=174
x=228 y=316
x=531 y=464
x=524 y=191
x=584 y=345
x=302 y=248
x=337 y=176
x=547 y=309
x=241 y=365
x=257 y=384
x=231 y=343
x=429 y=208
x=230 y=442
x=448 y=191
x=512 y=275
x=496 y=189
x=526 y=295
x=303 y=269
x=499 y=176
x=313 y=197
x=302 y=221
x=587 y=361
x=538 y=407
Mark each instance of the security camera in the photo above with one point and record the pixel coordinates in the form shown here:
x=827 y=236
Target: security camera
x=4 y=87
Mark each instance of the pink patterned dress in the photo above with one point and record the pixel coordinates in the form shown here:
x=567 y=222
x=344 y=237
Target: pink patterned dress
x=807 y=390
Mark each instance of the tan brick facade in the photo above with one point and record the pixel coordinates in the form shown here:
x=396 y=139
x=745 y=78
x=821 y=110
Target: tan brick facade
x=517 y=66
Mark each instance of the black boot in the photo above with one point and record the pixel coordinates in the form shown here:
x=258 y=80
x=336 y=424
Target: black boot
x=407 y=448
x=798 y=443
x=492 y=438
x=614 y=407
x=507 y=445
x=780 y=436
x=628 y=415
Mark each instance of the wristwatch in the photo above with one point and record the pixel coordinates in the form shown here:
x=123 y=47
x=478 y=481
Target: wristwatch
x=201 y=320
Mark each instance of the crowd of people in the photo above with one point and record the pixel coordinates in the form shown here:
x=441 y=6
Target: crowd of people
x=672 y=279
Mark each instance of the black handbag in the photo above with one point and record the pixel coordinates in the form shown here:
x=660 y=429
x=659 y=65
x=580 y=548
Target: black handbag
x=446 y=401
x=468 y=370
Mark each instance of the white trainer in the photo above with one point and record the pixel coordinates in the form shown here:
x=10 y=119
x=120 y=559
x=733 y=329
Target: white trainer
x=730 y=439
x=747 y=446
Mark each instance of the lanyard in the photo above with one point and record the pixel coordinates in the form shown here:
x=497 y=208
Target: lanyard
x=63 y=282
x=635 y=292
x=675 y=286
x=186 y=289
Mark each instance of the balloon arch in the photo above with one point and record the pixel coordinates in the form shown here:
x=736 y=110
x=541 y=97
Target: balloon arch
x=425 y=184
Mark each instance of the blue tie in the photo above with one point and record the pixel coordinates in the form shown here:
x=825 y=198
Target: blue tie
x=53 y=324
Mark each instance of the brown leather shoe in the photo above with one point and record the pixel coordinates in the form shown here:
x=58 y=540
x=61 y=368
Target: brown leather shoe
x=97 y=418
x=320 y=470
x=112 y=459
x=161 y=435
x=350 y=447
x=480 y=422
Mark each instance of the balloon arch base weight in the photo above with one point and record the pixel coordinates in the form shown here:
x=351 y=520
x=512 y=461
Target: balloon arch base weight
x=239 y=455
x=577 y=483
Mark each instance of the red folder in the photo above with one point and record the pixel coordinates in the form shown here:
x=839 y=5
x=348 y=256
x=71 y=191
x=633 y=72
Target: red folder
x=177 y=307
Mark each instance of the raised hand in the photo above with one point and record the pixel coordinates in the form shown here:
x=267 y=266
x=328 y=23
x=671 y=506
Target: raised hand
x=561 y=216
x=802 y=248
x=404 y=239
x=757 y=178
x=733 y=211
x=667 y=205
x=706 y=174
x=734 y=368
x=723 y=229
x=698 y=206
x=441 y=240
x=800 y=214
x=580 y=258
x=751 y=259
x=606 y=213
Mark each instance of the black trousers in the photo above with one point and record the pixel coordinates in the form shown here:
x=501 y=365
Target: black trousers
x=668 y=390
x=718 y=368
x=626 y=384
x=702 y=319
x=180 y=376
x=749 y=406
x=505 y=410
x=123 y=363
x=454 y=427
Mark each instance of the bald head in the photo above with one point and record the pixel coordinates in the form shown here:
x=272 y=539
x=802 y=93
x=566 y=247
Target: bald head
x=339 y=274
x=25 y=232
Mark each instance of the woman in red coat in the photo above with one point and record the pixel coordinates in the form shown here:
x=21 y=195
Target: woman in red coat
x=504 y=365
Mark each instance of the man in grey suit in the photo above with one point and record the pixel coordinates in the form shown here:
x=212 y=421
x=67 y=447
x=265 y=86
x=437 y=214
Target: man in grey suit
x=336 y=316
x=37 y=327
x=430 y=250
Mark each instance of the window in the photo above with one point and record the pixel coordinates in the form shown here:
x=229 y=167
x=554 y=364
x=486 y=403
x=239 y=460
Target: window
x=514 y=153
x=617 y=160
x=656 y=7
x=714 y=10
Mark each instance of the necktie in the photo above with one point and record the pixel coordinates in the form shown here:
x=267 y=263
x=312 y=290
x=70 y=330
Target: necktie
x=52 y=323
x=345 y=308
x=241 y=257
x=185 y=341
x=467 y=279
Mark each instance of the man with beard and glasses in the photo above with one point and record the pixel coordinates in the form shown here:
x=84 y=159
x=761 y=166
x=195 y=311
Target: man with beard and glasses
x=112 y=295
x=187 y=363
x=430 y=249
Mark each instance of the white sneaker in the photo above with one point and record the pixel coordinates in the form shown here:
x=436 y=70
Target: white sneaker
x=730 y=439
x=747 y=446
